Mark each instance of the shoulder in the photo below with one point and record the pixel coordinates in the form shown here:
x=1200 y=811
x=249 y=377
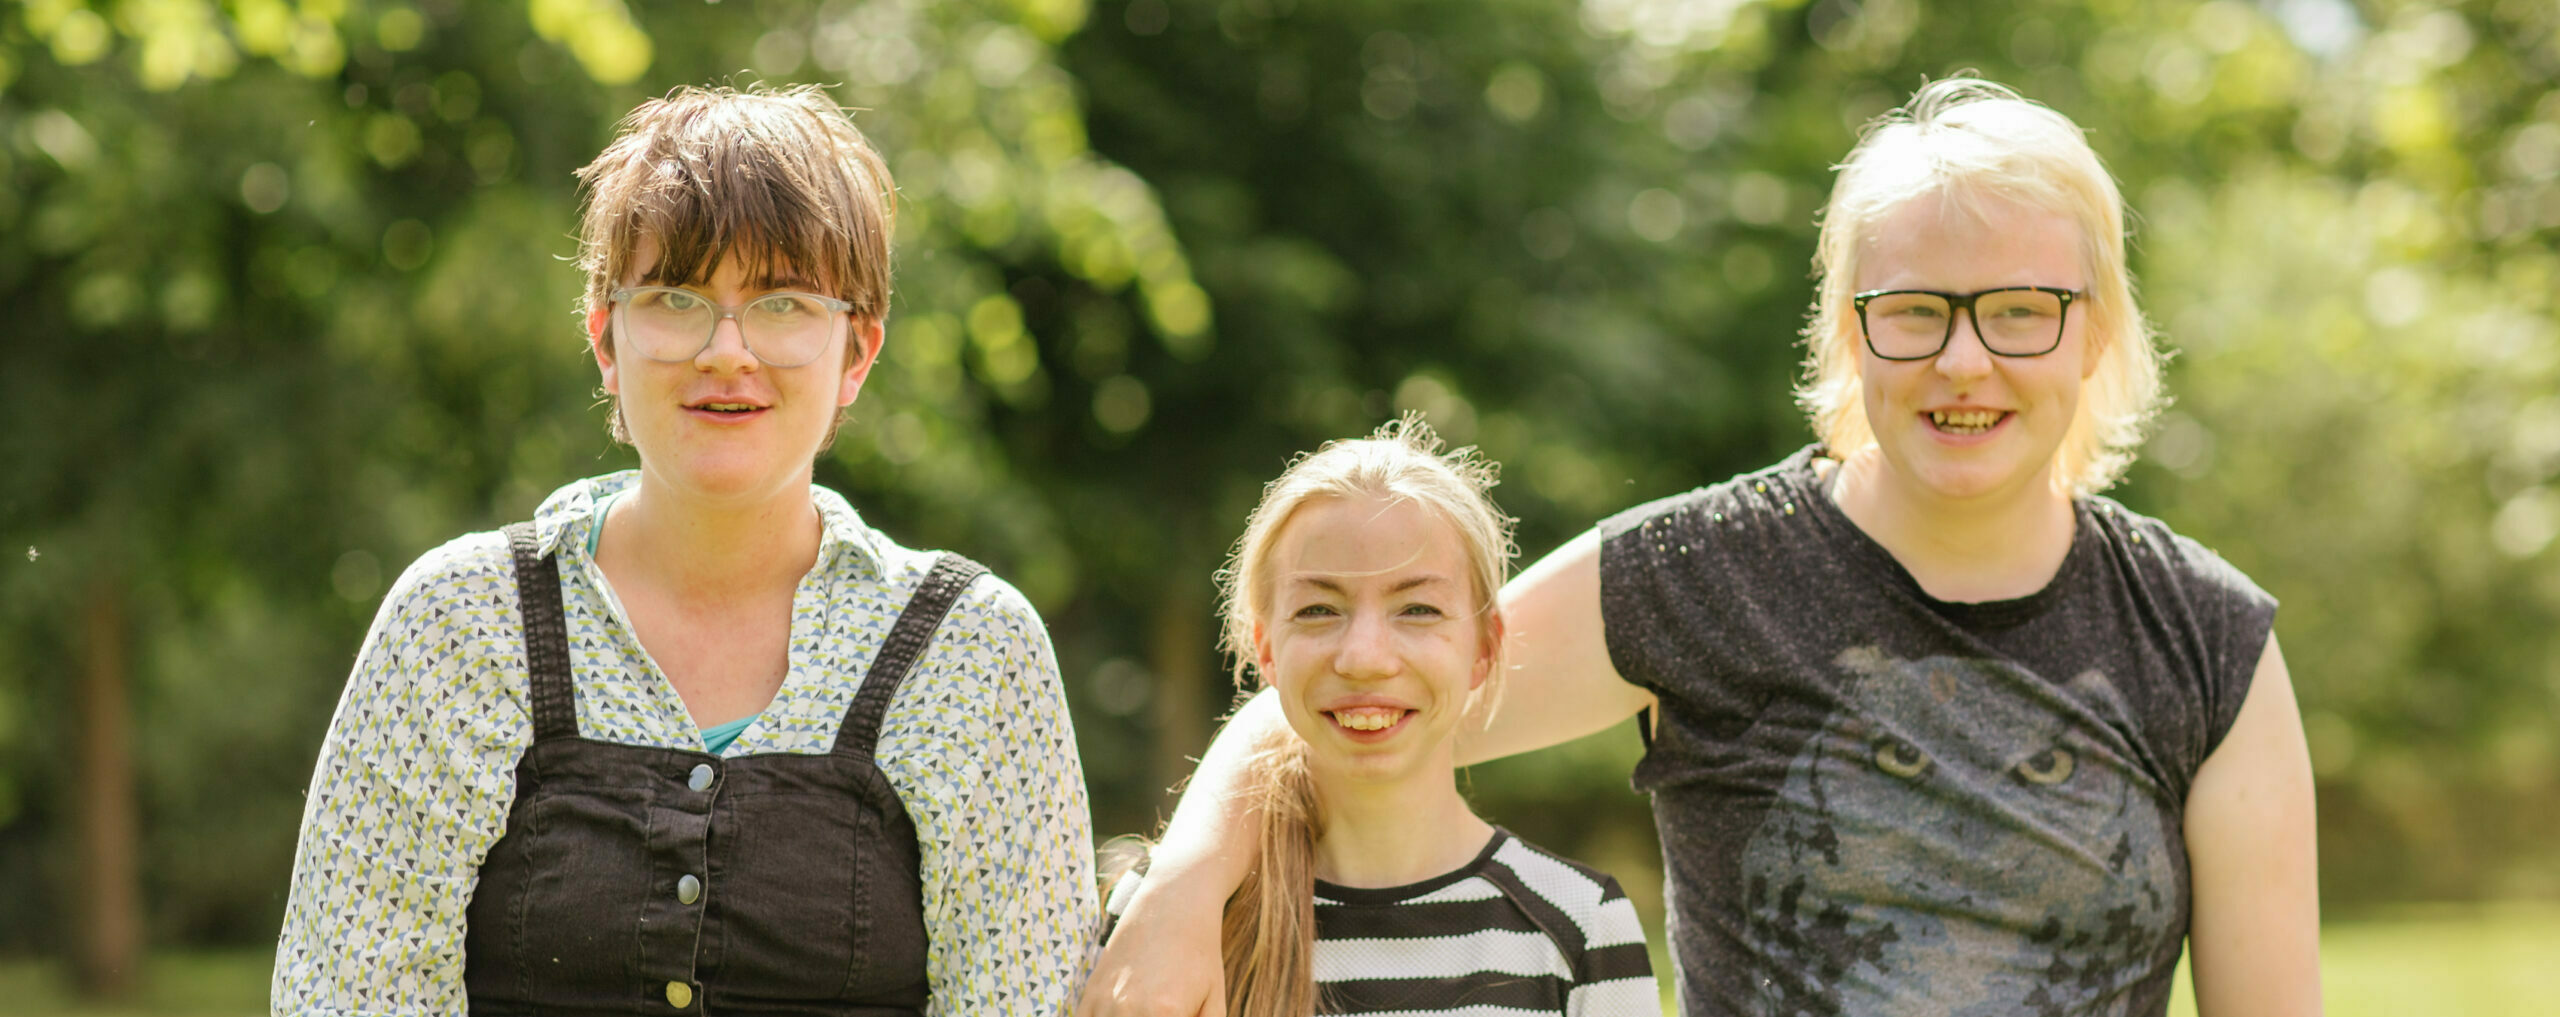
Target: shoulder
x=2159 y=556
x=1593 y=909
x=1554 y=876
x=1773 y=490
x=461 y=582
x=989 y=613
x=444 y=657
x=986 y=665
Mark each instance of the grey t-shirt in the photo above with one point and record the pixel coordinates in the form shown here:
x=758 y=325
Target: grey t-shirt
x=1871 y=800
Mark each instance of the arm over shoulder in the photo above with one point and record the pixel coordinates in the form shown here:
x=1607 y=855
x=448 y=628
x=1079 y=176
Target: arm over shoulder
x=1561 y=683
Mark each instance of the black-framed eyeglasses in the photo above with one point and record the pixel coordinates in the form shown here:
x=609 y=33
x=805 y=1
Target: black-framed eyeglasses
x=671 y=324
x=2013 y=321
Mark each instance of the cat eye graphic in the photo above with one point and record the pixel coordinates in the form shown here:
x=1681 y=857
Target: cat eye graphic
x=2051 y=766
x=1901 y=758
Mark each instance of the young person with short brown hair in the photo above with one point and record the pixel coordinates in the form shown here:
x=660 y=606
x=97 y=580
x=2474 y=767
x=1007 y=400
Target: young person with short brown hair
x=697 y=738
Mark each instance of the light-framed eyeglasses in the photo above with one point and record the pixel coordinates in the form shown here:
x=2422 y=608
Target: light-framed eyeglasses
x=2013 y=321
x=671 y=324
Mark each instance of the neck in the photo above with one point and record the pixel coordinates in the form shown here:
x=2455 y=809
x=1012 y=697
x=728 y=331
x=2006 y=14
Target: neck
x=714 y=547
x=1379 y=835
x=1999 y=545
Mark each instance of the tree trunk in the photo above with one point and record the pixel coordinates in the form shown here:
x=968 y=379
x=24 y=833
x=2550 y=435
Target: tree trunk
x=1178 y=652
x=106 y=904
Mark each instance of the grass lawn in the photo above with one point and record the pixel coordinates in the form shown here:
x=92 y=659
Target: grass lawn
x=2499 y=961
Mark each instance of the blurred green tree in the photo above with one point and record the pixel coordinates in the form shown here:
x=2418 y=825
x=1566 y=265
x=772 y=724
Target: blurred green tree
x=288 y=308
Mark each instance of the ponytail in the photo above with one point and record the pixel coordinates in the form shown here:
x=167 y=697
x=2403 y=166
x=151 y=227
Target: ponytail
x=1268 y=934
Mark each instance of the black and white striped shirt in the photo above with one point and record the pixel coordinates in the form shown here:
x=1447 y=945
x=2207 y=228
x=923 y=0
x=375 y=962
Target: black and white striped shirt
x=1516 y=931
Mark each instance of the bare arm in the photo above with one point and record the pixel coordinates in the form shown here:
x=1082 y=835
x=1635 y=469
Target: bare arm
x=2255 y=935
x=1162 y=959
x=1561 y=684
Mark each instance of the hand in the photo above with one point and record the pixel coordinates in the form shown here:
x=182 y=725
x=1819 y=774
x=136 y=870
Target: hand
x=1162 y=960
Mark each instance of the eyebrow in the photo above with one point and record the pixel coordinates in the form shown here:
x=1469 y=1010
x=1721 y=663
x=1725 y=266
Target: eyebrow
x=766 y=283
x=786 y=281
x=1318 y=580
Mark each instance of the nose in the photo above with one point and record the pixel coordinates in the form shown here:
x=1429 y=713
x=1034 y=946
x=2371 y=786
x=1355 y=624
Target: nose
x=1368 y=649
x=727 y=350
x=1965 y=355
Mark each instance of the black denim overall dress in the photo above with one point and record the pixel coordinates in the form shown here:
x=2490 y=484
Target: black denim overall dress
x=647 y=881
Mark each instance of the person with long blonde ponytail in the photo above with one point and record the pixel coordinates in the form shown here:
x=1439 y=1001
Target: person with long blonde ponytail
x=1362 y=596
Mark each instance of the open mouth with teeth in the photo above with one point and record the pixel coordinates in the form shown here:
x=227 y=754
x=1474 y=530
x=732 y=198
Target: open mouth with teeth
x=726 y=409
x=1966 y=423
x=1369 y=720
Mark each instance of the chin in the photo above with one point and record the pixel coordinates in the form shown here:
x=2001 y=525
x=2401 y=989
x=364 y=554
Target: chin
x=1960 y=477
x=728 y=475
x=1372 y=768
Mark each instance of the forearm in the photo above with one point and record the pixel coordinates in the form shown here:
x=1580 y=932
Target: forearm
x=1209 y=846
x=1163 y=956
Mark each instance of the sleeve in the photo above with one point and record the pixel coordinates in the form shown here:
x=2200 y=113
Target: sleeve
x=1615 y=977
x=998 y=799
x=2247 y=619
x=412 y=786
x=1636 y=599
x=2226 y=621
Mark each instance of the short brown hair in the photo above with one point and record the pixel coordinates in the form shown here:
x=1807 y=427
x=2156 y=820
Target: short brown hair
x=781 y=178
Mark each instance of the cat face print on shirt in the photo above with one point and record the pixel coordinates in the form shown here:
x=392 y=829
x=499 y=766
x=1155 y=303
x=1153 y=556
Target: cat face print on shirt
x=1961 y=837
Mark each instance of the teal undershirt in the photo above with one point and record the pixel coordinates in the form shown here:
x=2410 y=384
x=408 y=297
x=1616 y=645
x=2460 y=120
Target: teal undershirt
x=718 y=736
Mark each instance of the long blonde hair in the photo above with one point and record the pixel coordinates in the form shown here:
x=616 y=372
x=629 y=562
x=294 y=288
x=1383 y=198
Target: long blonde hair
x=1268 y=932
x=1968 y=143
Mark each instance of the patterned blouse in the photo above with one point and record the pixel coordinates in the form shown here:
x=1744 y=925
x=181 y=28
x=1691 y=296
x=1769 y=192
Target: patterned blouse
x=418 y=770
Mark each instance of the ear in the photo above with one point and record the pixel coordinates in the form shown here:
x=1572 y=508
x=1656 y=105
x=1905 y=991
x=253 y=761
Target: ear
x=1488 y=647
x=863 y=341
x=596 y=321
x=1262 y=653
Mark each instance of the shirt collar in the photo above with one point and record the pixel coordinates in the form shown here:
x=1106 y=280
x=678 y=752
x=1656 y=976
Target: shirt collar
x=562 y=523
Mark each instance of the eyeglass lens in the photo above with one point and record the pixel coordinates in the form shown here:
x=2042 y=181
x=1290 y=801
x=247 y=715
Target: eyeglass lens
x=781 y=329
x=2018 y=323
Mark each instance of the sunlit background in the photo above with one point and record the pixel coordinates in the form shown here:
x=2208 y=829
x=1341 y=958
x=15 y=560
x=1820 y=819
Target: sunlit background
x=288 y=304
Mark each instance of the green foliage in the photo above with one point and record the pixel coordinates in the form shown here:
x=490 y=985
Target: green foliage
x=289 y=306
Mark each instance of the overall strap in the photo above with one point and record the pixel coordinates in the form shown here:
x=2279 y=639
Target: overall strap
x=546 y=637
x=907 y=640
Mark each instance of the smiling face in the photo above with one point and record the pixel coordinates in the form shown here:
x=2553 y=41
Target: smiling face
x=1374 y=638
x=724 y=425
x=1968 y=424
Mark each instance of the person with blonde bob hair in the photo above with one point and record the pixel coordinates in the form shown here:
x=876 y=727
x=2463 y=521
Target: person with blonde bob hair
x=1931 y=726
x=1361 y=596
x=1970 y=145
x=696 y=738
